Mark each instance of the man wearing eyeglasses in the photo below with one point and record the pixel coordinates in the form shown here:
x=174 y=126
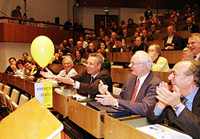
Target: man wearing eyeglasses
x=138 y=92
x=87 y=82
x=181 y=105
x=194 y=46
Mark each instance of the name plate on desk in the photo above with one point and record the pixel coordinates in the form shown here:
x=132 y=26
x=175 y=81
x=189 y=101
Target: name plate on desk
x=43 y=93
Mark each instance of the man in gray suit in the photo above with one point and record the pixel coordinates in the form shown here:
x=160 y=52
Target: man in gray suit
x=181 y=105
x=138 y=92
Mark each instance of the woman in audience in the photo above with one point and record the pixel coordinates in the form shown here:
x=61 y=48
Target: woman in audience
x=159 y=63
x=103 y=48
x=58 y=57
x=79 y=60
x=19 y=69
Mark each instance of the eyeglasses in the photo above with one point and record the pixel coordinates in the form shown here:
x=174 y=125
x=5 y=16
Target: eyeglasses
x=173 y=73
x=132 y=64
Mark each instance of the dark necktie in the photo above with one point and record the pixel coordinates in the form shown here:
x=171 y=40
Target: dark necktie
x=183 y=100
x=92 y=79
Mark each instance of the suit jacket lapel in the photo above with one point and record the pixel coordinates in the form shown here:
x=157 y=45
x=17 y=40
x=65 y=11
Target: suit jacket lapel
x=196 y=104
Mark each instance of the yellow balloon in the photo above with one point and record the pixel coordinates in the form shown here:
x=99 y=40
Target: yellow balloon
x=42 y=50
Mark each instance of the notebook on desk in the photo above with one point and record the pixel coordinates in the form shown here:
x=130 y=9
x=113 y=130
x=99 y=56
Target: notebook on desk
x=117 y=112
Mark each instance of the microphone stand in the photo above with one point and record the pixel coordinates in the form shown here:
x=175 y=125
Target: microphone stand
x=25 y=15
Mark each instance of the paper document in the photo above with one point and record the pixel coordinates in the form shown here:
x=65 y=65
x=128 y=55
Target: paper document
x=159 y=131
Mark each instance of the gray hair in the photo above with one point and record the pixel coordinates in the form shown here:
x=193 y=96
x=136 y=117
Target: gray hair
x=145 y=58
x=68 y=58
x=194 y=69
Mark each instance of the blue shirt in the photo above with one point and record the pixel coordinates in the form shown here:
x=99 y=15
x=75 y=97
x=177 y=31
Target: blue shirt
x=188 y=104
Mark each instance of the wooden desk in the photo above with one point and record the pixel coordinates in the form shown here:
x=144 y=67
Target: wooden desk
x=0 y=76
x=20 y=83
x=29 y=87
x=4 y=77
x=173 y=56
x=60 y=102
x=122 y=56
x=115 y=129
x=12 y=80
x=87 y=118
x=159 y=42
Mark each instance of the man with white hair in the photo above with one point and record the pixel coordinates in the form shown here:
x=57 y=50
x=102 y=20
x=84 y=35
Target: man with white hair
x=138 y=92
x=68 y=68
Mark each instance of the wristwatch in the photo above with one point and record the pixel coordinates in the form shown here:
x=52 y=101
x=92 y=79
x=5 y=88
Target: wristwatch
x=176 y=107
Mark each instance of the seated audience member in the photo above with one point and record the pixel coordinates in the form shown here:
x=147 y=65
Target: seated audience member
x=166 y=14
x=159 y=63
x=91 y=48
x=172 y=41
x=113 y=39
x=103 y=48
x=80 y=47
x=84 y=43
x=139 y=45
x=194 y=46
x=67 y=24
x=118 y=47
x=107 y=41
x=64 y=43
x=79 y=57
x=87 y=82
x=106 y=64
x=174 y=14
x=145 y=36
x=25 y=57
x=71 y=43
x=30 y=69
x=181 y=104
x=153 y=30
x=136 y=34
x=142 y=20
x=138 y=92
x=9 y=69
x=190 y=26
x=138 y=30
x=91 y=35
x=68 y=68
x=58 y=57
x=19 y=69
x=125 y=34
x=87 y=38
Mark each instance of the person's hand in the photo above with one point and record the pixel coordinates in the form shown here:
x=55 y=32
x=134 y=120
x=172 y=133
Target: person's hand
x=107 y=99
x=48 y=74
x=187 y=55
x=66 y=79
x=103 y=89
x=168 y=98
x=170 y=47
x=31 y=78
x=13 y=67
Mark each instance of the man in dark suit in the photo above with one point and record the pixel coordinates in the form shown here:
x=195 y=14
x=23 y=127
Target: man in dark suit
x=172 y=41
x=190 y=26
x=138 y=92
x=145 y=36
x=139 y=45
x=181 y=106
x=87 y=82
x=118 y=46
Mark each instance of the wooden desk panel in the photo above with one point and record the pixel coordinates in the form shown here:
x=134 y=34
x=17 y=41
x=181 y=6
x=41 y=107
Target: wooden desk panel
x=87 y=118
x=5 y=77
x=172 y=56
x=79 y=68
x=9 y=32
x=32 y=33
x=159 y=42
x=115 y=129
x=21 y=33
x=122 y=57
x=12 y=80
x=109 y=56
x=29 y=87
x=20 y=83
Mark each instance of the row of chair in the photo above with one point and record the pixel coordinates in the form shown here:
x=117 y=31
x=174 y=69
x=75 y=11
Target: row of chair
x=11 y=101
